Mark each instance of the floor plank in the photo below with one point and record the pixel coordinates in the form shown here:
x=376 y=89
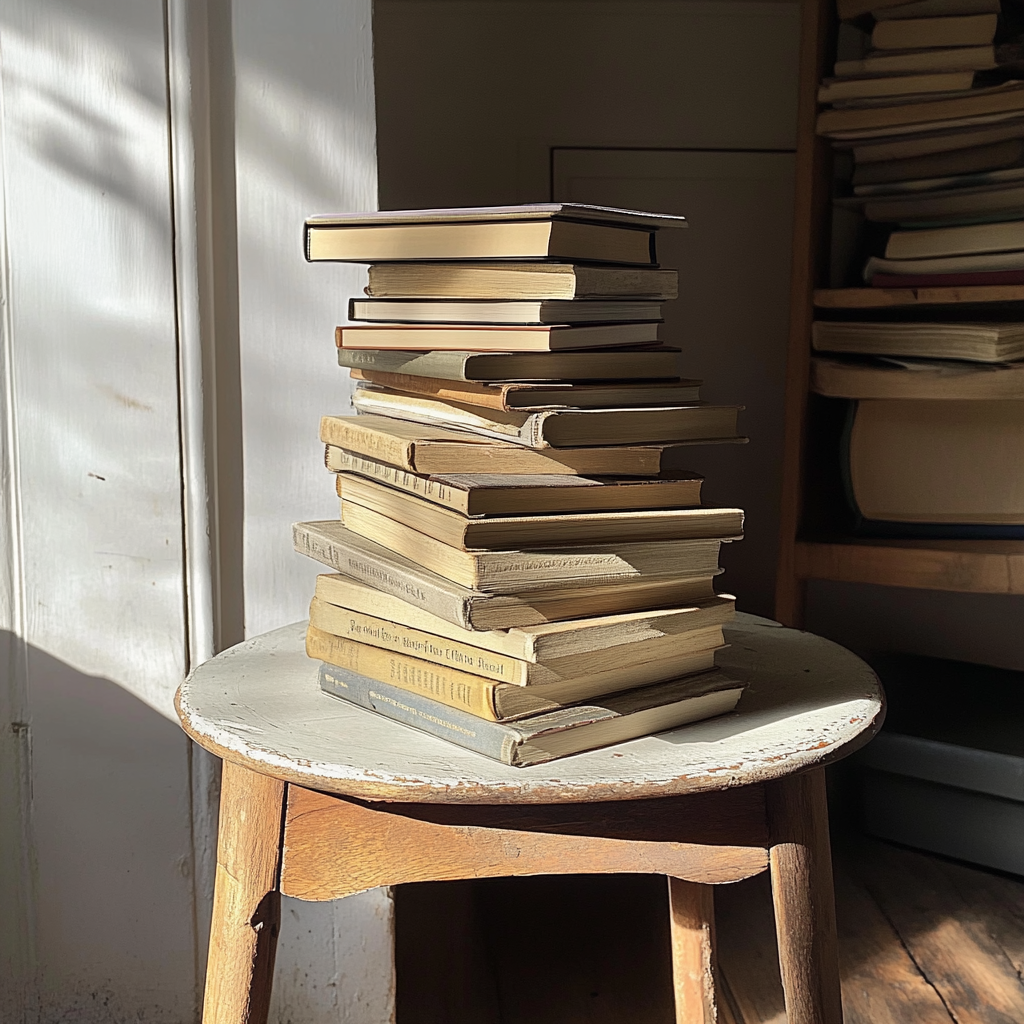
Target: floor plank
x=942 y=932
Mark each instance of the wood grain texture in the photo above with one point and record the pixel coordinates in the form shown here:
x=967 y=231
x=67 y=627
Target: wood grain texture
x=246 y=902
x=335 y=847
x=808 y=702
x=805 y=922
x=692 y=917
x=948 y=938
x=886 y=298
x=813 y=161
x=973 y=567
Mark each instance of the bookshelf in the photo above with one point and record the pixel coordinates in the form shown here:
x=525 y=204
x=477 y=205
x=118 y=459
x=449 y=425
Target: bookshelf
x=812 y=543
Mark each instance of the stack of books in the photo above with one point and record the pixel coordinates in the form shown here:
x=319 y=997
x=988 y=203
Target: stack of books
x=522 y=563
x=926 y=112
x=926 y=117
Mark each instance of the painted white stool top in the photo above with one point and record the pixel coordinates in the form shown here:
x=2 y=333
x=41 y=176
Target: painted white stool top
x=809 y=702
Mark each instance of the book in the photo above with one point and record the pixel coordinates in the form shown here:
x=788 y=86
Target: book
x=519 y=281
x=917 y=378
x=929 y=141
x=961 y=58
x=498 y=533
x=977 y=342
x=513 y=571
x=945 y=266
x=537 y=396
x=556 y=734
x=992 y=278
x=559 y=428
x=960 y=182
x=651 y=363
x=435 y=338
x=466 y=311
x=940 y=463
x=989 y=203
x=974 y=159
x=964 y=240
x=496 y=700
x=392 y=574
x=915 y=33
x=564 y=231
x=427 y=450
x=508 y=493
x=833 y=90
x=538 y=643
x=850 y=9
x=934 y=9
x=849 y=137
x=997 y=99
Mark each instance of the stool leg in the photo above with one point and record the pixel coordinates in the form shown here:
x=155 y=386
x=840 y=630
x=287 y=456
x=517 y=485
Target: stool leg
x=805 y=915
x=691 y=906
x=246 y=901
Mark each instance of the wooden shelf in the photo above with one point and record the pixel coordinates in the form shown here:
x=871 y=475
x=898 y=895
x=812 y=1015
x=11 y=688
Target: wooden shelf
x=887 y=298
x=965 y=566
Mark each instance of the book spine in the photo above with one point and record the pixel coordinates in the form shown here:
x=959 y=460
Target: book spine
x=338 y=460
x=383 y=576
x=492 y=739
x=345 y=432
x=445 y=365
x=450 y=687
x=406 y=640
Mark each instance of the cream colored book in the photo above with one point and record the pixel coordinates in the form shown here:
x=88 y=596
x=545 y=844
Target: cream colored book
x=497 y=701
x=977 y=342
x=464 y=338
x=509 y=572
x=532 y=396
x=393 y=575
x=519 y=281
x=835 y=90
x=507 y=532
x=559 y=428
x=917 y=33
x=501 y=668
x=543 y=642
x=499 y=494
x=962 y=58
x=427 y=449
x=964 y=240
x=567 y=231
x=939 y=462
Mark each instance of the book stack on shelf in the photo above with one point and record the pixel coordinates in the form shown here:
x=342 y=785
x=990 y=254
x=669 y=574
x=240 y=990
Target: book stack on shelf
x=522 y=563
x=926 y=120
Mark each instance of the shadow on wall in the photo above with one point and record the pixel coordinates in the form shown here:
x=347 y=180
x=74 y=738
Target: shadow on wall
x=105 y=790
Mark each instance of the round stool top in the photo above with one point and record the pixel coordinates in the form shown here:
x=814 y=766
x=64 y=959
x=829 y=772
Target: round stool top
x=809 y=702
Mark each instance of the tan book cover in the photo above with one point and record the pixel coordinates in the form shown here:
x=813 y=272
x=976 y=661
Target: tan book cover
x=508 y=532
x=543 y=642
x=494 y=701
x=482 y=494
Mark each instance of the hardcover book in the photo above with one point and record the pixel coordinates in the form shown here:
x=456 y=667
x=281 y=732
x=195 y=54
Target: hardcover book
x=545 y=737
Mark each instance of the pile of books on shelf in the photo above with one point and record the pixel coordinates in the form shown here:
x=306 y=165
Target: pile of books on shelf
x=926 y=121
x=522 y=563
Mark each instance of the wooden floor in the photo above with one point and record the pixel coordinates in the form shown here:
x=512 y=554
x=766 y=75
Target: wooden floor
x=923 y=940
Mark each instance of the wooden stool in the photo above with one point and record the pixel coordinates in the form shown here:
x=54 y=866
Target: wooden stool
x=321 y=800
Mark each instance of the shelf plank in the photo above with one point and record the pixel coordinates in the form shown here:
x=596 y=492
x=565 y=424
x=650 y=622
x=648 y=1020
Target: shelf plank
x=887 y=298
x=964 y=566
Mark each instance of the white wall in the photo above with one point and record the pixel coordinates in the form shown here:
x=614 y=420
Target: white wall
x=102 y=801
x=98 y=846
x=305 y=143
